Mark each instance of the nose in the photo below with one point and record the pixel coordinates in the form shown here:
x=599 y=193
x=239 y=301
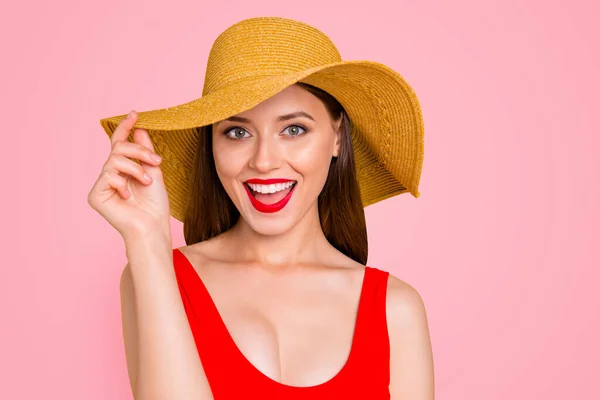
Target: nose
x=267 y=155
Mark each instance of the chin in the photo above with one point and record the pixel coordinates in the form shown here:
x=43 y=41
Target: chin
x=270 y=226
x=273 y=223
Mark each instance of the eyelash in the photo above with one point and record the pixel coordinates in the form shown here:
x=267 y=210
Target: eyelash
x=226 y=132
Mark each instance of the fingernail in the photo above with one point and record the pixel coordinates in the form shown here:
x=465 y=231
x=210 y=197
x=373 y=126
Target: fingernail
x=130 y=114
x=147 y=177
x=156 y=157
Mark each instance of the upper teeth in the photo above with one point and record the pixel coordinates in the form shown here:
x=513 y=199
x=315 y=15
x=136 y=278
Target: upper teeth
x=277 y=187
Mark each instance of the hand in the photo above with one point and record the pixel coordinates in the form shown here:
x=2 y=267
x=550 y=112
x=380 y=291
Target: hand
x=129 y=202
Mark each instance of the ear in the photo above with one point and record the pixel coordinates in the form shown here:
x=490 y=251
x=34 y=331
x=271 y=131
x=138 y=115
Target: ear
x=338 y=138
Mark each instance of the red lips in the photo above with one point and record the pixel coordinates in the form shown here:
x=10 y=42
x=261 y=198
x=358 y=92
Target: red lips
x=269 y=208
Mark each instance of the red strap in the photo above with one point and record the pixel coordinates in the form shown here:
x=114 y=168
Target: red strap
x=372 y=341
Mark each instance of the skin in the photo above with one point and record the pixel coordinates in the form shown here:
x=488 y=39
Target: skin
x=275 y=279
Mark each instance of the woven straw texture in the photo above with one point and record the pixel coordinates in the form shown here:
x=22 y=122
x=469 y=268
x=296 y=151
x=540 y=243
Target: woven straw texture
x=256 y=58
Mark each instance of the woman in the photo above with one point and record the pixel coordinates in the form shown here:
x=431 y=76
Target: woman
x=269 y=172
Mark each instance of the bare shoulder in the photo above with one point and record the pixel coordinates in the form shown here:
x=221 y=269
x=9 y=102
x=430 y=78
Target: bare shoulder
x=411 y=356
x=214 y=248
x=404 y=304
x=192 y=249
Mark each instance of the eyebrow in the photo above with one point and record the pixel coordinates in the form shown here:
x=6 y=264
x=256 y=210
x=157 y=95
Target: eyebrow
x=284 y=117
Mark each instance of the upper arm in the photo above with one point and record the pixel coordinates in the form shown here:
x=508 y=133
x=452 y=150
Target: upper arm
x=129 y=322
x=411 y=358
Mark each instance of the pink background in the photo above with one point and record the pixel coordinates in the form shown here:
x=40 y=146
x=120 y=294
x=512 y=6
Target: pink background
x=500 y=243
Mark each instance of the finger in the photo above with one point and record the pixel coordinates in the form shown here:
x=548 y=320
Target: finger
x=117 y=182
x=123 y=129
x=135 y=151
x=141 y=136
x=118 y=163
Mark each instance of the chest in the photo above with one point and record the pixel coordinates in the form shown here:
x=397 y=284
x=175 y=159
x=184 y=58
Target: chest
x=293 y=332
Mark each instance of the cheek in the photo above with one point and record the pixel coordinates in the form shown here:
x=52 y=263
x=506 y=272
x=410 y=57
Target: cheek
x=311 y=161
x=228 y=161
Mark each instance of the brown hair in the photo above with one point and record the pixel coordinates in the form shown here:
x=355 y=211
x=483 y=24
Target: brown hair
x=211 y=212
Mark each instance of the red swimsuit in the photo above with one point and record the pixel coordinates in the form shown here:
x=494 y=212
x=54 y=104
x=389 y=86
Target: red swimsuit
x=231 y=375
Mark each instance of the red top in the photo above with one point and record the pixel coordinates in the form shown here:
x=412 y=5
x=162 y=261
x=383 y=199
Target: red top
x=366 y=374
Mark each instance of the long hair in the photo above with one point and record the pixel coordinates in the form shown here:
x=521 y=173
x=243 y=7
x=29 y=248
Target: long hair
x=211 y=212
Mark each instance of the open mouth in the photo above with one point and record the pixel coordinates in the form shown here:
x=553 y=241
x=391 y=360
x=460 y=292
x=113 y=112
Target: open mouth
x=270 y=197
x=270 y=193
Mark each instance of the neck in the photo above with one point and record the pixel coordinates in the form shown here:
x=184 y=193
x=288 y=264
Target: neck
x=301 y=244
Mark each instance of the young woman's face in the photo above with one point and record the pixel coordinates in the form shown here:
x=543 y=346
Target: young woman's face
x=262 y=144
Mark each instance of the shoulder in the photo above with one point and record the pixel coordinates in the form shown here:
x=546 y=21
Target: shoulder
x=197 y=254
x=404 y=305
x=217 y=248
x=411 y=358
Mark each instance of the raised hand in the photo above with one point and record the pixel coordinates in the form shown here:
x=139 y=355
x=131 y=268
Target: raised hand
x=123 y=195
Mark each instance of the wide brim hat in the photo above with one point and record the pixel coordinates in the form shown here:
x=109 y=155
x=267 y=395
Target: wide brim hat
x=255 y=59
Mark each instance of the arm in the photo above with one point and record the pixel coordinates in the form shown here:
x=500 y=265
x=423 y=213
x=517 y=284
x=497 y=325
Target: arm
x=162 y=359
x=411 y=358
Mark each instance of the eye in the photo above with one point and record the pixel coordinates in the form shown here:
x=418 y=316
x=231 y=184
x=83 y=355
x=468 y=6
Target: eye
x=238 y=133
x=235 y=133
x=294 y=130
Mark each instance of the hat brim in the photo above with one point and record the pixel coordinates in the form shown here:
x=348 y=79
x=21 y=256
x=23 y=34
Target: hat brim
x=385 y=114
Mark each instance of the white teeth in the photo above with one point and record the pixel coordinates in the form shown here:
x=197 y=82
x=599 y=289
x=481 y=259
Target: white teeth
x=278 y=187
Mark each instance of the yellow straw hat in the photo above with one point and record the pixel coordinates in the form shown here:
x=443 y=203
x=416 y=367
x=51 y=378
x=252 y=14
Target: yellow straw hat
x=256 y=58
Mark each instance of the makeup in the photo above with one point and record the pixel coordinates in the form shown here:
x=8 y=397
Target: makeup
x=269 y=195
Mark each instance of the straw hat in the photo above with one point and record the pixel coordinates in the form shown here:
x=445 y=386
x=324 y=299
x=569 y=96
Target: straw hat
x=256 y=58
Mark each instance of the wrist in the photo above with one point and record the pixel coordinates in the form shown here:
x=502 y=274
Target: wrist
x=151 y=235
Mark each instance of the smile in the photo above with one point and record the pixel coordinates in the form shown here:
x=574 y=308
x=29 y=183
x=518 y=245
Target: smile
x=269 y=195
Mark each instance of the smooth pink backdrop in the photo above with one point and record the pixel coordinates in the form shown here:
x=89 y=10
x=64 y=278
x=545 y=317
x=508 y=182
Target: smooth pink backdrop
x=502 y=244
